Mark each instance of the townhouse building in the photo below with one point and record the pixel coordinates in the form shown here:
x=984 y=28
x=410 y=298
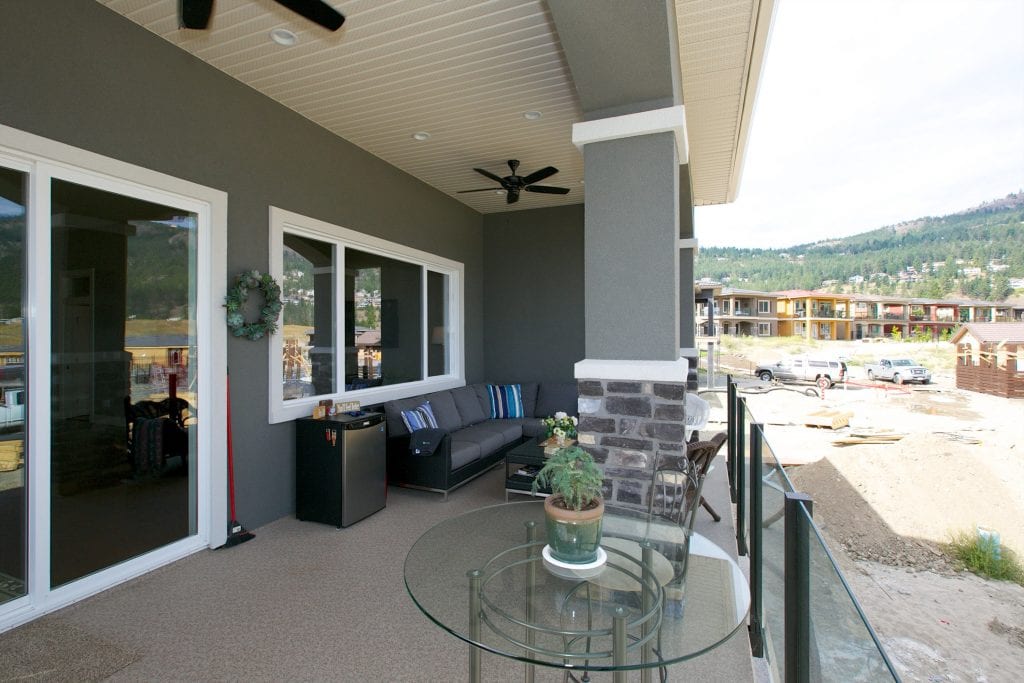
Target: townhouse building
x=822 y=315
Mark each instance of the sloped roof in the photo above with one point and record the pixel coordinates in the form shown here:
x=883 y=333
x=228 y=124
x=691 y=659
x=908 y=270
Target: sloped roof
x=992 y=332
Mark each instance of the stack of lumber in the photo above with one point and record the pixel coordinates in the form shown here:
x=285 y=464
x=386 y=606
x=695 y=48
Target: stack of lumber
x=12 y=455
x=829 y=419
x=868 y=436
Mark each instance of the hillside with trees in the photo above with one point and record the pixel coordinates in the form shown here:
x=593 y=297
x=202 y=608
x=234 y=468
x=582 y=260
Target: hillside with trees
x=973 y=254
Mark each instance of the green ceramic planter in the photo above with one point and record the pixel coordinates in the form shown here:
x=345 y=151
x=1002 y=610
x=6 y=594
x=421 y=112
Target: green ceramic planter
x=574 y=537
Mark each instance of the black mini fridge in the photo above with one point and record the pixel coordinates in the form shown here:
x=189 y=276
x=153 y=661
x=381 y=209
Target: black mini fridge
x=340 y=468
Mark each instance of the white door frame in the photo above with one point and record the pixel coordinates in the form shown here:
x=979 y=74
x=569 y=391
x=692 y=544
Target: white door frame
x=43 y=160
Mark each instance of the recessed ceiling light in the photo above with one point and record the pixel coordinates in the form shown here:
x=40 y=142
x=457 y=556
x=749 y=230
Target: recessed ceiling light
x=283 y=36
x=421 y=136
x=532 y=115
x=499 y=192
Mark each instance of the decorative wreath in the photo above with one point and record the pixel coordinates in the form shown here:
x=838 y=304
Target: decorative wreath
x=237 y=296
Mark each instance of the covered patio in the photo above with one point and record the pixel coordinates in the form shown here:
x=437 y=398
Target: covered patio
x=349 y=166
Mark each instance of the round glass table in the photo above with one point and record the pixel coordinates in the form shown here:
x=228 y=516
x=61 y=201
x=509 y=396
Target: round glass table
x=662 y=595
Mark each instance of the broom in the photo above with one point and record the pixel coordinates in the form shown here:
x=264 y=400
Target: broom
x=236 y=532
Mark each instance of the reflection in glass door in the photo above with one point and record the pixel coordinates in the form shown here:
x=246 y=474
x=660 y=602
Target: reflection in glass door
x=123 y=320
x=13 y=482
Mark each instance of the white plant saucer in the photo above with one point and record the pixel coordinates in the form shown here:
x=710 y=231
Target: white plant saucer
x=573 y=570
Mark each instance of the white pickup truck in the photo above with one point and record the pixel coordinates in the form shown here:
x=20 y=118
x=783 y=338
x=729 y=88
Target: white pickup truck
x=898 y=370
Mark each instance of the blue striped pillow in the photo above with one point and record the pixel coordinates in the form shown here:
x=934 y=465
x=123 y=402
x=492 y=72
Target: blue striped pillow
x=506 y=400
x=420 y=417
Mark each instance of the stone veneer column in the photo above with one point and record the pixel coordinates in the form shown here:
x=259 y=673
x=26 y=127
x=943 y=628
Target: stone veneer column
x=631 y=414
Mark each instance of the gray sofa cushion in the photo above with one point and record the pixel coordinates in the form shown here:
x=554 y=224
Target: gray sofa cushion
x=531 y=426
x=393 y=411
x=510 y=429
x=447 y=415
x=464 y=452
x=529 y=391
x=488 y=439
x=484 y=398
x=469 y=406
x=553 y=397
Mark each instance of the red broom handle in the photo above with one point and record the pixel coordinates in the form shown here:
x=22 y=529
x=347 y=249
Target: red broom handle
x=231 y=458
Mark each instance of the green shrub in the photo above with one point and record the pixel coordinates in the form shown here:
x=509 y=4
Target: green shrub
x=980 y=557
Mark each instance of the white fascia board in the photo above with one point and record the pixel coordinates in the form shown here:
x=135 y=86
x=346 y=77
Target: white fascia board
x=634 y=370
x=667 y=120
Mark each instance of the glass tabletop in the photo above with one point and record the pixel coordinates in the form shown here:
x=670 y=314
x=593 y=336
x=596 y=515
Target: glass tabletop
x=687 y=598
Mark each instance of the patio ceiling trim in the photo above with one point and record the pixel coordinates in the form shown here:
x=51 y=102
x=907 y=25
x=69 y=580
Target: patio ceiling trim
x=666 y=120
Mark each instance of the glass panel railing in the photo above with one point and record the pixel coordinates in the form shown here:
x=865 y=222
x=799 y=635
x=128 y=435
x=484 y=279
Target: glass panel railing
x=774 y=486
x=844 y=646
x=748 y=422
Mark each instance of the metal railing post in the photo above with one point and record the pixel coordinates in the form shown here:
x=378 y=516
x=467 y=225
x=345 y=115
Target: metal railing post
x=756 y=629
x=475 y=581
x=798 y=589
x=730 y=405
x=741 y=476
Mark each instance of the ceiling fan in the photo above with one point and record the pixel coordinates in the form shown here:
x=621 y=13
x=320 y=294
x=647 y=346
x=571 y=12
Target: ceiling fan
x=513 y=184
x=196 y=13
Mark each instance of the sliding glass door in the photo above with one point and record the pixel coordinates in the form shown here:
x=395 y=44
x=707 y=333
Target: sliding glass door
x=125 y=394
x=112 y=453
x=13 y=498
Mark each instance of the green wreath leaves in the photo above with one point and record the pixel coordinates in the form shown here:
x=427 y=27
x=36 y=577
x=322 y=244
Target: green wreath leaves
x=237 y=296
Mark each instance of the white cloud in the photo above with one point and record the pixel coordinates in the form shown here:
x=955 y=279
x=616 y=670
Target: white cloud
x=871 y=112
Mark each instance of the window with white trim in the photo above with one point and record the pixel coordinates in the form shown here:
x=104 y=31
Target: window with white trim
x=764 y=306
x=764 y=329
x=364 y=319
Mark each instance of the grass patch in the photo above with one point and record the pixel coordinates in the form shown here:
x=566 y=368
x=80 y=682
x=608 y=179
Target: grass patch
x=978 y=556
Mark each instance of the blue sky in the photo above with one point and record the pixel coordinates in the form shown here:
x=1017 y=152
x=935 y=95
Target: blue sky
x=871 y=112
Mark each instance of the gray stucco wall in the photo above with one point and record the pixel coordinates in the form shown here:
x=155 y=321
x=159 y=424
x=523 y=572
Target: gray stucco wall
x=80 y=74
x=533 y=294
x=632 y=261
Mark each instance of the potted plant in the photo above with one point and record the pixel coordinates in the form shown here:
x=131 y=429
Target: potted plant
x=575 y=509
x=560 y=424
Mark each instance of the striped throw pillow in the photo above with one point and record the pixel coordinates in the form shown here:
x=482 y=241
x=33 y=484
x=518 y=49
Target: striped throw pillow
x=420 y=417
x=506 y=400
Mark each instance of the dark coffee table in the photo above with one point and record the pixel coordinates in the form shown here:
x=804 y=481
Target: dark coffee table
x=529 y=454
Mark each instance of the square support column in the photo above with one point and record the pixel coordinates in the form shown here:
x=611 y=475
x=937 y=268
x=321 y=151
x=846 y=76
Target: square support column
x=632 y=233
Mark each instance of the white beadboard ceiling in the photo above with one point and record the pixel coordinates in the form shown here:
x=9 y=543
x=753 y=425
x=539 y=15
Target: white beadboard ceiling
x=465 y=71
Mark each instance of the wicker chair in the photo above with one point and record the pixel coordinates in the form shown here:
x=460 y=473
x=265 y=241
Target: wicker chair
x=155 y=431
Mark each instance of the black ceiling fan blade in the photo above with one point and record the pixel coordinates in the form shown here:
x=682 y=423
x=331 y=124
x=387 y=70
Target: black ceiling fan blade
x=488 y=174
x=195 y=13
x=546 y=189
x=316 y=11
x=482 y=189
x=543 y=173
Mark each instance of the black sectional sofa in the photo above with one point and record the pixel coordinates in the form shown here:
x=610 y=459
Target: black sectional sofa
x=474 y=441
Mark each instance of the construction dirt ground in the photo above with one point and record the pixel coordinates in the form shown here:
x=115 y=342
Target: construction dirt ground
x=936 y=461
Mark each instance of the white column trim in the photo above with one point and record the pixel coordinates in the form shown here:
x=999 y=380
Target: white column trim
x=689 y=243
x=634 y=370
x=667 y=120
